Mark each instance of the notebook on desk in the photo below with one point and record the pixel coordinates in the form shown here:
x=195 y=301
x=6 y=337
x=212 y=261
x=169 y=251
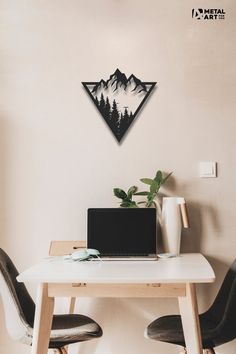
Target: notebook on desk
x=122 y=233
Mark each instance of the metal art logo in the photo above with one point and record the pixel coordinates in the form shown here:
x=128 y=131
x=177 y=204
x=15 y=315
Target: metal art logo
x=208 y=14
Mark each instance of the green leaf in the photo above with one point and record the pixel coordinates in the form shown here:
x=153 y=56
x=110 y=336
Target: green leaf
x=155 y=186
x=151 y=197
x=147 y=181
x=158 y=177
x=130 y=204
x=125 y=204
x=119 y=193
x=134 y=205
x=131 y=191
x=141 y=193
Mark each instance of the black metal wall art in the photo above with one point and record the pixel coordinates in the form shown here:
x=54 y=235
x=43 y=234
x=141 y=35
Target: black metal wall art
x=119 y=99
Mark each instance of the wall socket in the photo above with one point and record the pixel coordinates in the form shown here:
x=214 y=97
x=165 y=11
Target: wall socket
x=207 y=169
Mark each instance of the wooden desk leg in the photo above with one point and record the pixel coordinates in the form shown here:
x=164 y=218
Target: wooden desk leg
x=42 y=321
x=190 y=320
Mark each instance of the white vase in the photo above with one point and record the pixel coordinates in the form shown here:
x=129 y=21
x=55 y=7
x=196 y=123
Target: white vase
x=171 y=224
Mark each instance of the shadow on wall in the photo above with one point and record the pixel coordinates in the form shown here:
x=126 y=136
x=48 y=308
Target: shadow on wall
x=191 y=240
x=7 y=344
x=210 y=290
x=3 y=225
x=3 y=182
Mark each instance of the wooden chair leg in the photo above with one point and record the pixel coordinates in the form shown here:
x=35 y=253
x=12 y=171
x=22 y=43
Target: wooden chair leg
x=72 y=305
x=64 y=350
x=71 y=311
x=57 y=351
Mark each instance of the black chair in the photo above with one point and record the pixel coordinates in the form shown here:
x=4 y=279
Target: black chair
x=19 y=310
x=218 y=324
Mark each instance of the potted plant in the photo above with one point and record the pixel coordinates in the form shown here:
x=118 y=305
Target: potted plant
x=154 y=186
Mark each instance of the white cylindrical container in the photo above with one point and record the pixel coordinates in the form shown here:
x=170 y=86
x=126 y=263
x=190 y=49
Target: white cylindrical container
x=171 y=224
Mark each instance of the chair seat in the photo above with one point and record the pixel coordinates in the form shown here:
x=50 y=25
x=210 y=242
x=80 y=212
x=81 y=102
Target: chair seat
x=68 y=329
x=169 y=329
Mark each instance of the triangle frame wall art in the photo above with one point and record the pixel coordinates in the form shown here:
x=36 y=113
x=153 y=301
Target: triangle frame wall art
x=119 y=100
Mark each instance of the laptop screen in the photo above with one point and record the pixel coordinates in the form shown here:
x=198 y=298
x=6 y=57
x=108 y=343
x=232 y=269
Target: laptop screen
x=122 y=231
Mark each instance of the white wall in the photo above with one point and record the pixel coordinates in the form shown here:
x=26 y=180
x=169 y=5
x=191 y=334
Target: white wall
x=57 y=156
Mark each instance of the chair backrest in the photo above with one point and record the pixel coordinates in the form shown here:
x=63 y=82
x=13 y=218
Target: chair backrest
x=61 y=248
x=19 y=308
x=223 y=309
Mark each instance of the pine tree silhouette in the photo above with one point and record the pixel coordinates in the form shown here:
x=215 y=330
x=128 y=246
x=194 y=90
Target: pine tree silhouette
x=130 y=117
x=102 y=103
x=126 y=115
x=96 y=100
x=115 y=118
x=114 y=113
x=124 y=122
x=120 y=125
x=107 y=109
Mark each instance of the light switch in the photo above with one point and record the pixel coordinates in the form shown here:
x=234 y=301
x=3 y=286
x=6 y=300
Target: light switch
x=207 y=169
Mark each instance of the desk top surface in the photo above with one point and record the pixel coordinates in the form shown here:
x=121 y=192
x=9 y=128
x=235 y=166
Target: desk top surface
x=189 y=267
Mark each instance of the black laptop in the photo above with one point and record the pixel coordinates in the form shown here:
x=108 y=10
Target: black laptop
x=123 y=233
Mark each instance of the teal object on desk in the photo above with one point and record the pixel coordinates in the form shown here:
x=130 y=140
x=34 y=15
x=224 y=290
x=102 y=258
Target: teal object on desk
x=86 y=254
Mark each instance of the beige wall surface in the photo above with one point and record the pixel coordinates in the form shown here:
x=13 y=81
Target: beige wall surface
x=57 y=156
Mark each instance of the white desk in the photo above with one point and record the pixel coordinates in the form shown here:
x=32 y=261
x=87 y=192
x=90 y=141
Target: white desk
x=173 y=277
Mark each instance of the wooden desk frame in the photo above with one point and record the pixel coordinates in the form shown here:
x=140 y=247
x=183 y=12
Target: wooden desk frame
x=185 y=293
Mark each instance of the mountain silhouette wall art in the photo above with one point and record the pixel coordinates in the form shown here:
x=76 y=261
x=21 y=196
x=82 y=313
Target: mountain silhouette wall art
x=119 y=99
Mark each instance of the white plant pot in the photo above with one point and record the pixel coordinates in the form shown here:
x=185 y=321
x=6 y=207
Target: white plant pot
x=171 y=224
